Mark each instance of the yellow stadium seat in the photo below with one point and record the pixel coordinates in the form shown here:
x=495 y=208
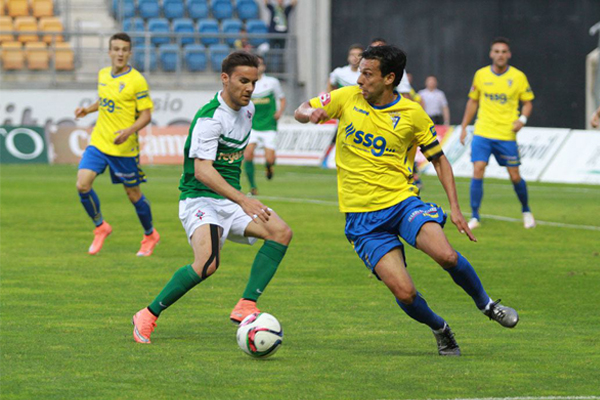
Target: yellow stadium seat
x=12 y=55
x=6 y=24
x=2 y=7
x=64 y=59
x=29 y=25
x=37 y=56
x=42 y=8
x=18 y=8
x=51 y=24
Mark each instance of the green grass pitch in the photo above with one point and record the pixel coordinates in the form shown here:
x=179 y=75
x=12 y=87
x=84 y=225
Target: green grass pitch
x=65 y=330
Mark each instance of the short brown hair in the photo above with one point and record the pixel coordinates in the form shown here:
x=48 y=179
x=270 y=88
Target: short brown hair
x=238 y=58
x=119 y=36
x=501 y=39
x=356 y=46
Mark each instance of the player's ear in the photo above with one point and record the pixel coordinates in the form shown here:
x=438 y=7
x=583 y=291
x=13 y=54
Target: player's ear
x=389 y=78
x=224 y=77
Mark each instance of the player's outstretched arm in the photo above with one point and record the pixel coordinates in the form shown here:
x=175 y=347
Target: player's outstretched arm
x=208 y=175
x=143 y=120
x=305 y=113
x=470 y=111
x=446 y=177
x=81 y=112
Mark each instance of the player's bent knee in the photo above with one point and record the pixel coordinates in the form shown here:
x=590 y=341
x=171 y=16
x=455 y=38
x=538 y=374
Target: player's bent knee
x=406 y=296
x=449 y=259
x=83 y=187
x=283 y=234
x=205 y=270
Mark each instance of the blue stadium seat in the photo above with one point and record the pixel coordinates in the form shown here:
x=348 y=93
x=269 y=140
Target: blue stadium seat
x=149 y=9
x=159 y=25
x=231 y=26
x=134 y=25
x=184 y=25
x=197 y=9
x=246 y=9
x=195 y=57
x=173 y=9
x=218 y=52
x=256 y=26
x=127 y=10
x=208 y=26
x=169 y=56
x=139 y=58
x=222 y=9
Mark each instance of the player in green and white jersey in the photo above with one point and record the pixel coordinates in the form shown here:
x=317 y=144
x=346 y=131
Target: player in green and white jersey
x=265 y=97
x=211 y=206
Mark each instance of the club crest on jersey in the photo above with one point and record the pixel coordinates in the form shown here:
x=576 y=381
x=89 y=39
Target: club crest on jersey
x=248 y=114
x=510 y=82
x=325 y=98
x=121 y=87
x=395 y=116
x=199 y=214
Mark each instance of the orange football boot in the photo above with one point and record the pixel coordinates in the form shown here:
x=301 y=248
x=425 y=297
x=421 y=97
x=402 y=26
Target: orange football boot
x=100 y=234
x=149 y=243
x=144 y=323
x=242 y=309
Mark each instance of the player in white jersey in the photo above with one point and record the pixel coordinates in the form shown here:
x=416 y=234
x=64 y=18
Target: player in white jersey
x=346 y=76
x=269 y=102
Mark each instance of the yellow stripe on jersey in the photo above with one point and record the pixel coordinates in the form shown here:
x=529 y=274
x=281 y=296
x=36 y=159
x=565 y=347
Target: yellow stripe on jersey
x=499 y=97
x=375 y=148
x=121 y=98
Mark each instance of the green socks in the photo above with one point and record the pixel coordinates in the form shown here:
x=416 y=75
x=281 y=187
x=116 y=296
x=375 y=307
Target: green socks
x=182 y=281
x=249 y=168
x=264 y=267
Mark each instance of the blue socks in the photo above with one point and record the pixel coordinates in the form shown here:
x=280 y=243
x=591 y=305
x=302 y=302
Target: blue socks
x=142 y=207
x=465 y=276
x=521 y=189
x=476 y=196
x=91 y=203
x=420 y=311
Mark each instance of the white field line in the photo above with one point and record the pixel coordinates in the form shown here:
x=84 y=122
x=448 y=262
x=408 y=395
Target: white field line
x=495 y=217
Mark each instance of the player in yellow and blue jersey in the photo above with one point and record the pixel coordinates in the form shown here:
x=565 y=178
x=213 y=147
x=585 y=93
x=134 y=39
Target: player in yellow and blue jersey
x=496 y=91
x=124 y=107
x=378 y=134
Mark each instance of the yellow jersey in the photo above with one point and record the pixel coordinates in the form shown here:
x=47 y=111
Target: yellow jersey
x=375 y=148
x=121 y=97
x=499 y=97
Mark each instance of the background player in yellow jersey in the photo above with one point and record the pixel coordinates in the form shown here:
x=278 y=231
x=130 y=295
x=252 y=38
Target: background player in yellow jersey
x=497 y=90
x=124 y=107
x=376 y=140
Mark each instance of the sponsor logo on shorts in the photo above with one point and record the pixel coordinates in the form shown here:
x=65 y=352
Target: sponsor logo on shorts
x=199 y=214
x=431 y=212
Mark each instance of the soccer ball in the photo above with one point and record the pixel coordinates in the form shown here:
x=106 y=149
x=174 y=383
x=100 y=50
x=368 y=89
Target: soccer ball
x=260 y=335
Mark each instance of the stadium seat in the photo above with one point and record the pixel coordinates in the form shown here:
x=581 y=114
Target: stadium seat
x=246 y=9
x=135 y=26
x=173 y=9
x=169 y=57
x=208 y=26
x=18 y=8
x=148 y=9
x=231 y=26
x=123 y=8
x=255 y=26
x=6 y=25
x=183 y=25
x=64 y=59
x=218 y=52
x=51 y=24
x=42 y=8
x=197 y=9
x=12 y=56
x=159 y=25
x=27 y=24
x=37 y=55
x=221 y=9
x=139 y=58
x=195 y=57
x=2 y=8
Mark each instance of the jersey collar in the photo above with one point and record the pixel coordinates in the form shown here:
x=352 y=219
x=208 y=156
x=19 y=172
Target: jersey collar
x=122 y=73
x=389 y=104
x=492 y=69
x=224 y=103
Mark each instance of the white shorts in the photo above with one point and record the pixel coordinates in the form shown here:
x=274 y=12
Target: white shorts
x=264 y=139
x=199 y=211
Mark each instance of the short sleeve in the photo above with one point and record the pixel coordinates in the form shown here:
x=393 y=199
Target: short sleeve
x=526 y=92
x=444 y=100
x=426 y=136
x=404 y=85
x=205 y=139
x=277 y=89
x=332 y=102
x=142 y=95
x=474 y=92
x=333 y=77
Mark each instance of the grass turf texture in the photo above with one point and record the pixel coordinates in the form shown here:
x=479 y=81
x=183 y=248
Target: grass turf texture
x=65 y=315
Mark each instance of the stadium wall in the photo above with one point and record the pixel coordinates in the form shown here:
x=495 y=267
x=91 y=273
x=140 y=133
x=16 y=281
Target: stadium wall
x=450 y=39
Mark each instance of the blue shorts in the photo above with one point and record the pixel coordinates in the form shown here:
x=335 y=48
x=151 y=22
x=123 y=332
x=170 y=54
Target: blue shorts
x=374 y=234
x=125 y=170
x=506 y=152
